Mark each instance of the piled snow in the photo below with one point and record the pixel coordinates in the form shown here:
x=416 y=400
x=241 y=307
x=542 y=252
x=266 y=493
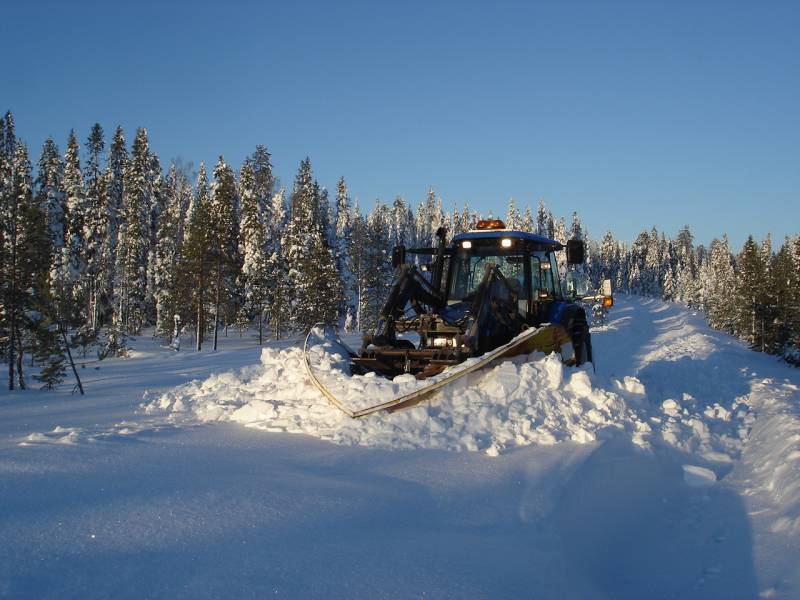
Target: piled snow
x=772 y=459
x=527 y=400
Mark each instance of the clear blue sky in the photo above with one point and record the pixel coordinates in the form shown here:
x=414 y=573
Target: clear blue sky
x=632 y=113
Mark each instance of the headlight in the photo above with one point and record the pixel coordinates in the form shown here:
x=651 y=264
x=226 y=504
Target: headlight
x=442 y=342
x=466 y=245
x=505 y=243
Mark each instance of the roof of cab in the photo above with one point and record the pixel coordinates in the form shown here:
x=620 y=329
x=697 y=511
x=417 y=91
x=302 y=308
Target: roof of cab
x=507 y=233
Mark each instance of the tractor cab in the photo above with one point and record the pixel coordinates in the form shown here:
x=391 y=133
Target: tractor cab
x=525 y=262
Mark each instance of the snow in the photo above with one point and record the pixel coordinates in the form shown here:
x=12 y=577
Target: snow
x=672 y=471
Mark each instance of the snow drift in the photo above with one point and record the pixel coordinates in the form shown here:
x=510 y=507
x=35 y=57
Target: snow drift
x=527 y=400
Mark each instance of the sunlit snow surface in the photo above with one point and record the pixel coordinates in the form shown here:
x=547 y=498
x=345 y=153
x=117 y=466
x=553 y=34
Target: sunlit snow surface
x=526 y=400
x=673 y=471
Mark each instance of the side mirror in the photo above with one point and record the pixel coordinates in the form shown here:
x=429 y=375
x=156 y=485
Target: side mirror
x=398 y=256
x=575 y=252
x=577 y=284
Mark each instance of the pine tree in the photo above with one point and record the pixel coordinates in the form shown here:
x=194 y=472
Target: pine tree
x=609 y=258
x=253 y=249
x=781 y=284
x=542 y=219
x=316 y=288
x=751 y=281
x=50 y=192
x=114 y=186
x=527 y=220
x=195 y=259
x=399 y=225
x=224 y=238
x=177 y=195
x=74 y=299
x=513 y=217
x=576 y=229
x=668 y=273
x=277 y=282
x=134 y=236
x=652 y=266
x=95 y=224
x=376 y=267
x=720 y=279
x=356 y=263
x=687 y=289
x=263 y=180
x=25 y=268
x=343 y=239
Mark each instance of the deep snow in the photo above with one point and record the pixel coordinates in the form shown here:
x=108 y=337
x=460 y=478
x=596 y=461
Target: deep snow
x=672 y=471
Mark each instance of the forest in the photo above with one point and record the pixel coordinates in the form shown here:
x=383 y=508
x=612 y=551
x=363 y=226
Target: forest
x=101 y=242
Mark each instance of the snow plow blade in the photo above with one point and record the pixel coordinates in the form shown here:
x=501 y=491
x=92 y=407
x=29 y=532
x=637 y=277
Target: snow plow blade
x=327 y=361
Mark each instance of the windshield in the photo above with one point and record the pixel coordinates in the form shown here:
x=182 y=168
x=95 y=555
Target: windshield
x=469 y=266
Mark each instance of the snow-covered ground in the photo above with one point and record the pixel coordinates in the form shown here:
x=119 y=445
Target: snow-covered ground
x=673 y=471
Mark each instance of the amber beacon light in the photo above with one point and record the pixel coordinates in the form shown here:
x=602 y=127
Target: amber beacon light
x=490 y=224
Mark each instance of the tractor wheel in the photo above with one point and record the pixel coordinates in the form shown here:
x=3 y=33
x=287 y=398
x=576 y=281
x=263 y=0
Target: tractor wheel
x=581 y=341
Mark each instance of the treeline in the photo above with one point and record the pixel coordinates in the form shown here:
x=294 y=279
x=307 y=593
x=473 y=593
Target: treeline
x=96 y=245
x=753 y=294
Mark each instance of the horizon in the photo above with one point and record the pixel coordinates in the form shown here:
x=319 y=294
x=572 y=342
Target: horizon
x=631 y=115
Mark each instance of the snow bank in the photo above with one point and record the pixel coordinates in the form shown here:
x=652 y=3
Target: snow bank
x=527 y=400
x=771 y=462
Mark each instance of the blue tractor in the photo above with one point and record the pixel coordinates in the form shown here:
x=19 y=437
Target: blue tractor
x=472 y=296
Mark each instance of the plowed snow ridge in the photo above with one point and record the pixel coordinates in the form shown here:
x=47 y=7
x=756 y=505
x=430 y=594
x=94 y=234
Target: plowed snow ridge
x=527 y=400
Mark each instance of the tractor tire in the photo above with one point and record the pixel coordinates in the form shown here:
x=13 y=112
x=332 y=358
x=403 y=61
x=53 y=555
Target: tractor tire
x=578 y=330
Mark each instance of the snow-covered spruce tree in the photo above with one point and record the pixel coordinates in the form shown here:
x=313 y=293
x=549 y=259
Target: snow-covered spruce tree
x=527 y=220
x=652 y=266
x=719 y=281
x=72 y=276
x=668 y=272
x=576 y=229
x=638 y=253
x=376 y=268
x=253 y=248
x=541 y=218
x=94 y=227
x=356 y=263
x=687 y=288
x=193 y=274
x=50 y=192
x=608 y=263
x=50 y=203
x=316 y=287
x=133 y=246
x=400 y=222
x=424 y=220
x=111 y=266
x=224 y=238
x=325 y=214
x=795 y=300
x=461 y=220
x=343 y=241
x=513 y=216
x=780 y=285
x=157 y=206
x=7 y=144
x=751 y=300
x=26 y=264
x=177 y=196
x=263 y=180
x=277 y=284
